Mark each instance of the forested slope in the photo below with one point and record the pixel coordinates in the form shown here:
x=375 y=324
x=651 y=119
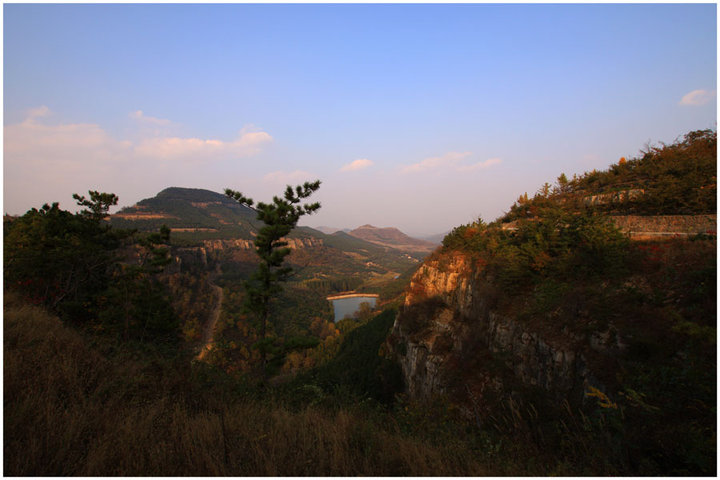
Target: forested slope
x=553 y=306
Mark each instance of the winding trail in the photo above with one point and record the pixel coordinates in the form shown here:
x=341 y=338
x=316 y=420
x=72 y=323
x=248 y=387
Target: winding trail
x=209 y=330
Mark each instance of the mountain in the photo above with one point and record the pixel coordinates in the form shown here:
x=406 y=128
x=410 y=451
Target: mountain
x=393 y=238
x=436 y=239
x=189 y=211
x=331 y=230
x=210 y=229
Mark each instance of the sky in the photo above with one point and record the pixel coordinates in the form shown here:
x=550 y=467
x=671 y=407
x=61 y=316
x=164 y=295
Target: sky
x=416 y=116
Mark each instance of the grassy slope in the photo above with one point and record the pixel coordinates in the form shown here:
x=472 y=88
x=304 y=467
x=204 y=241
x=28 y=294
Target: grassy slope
x=76 y=409
x=78 y=405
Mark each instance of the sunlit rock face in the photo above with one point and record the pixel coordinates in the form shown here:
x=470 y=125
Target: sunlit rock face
x=450 y=341
x=293 y=243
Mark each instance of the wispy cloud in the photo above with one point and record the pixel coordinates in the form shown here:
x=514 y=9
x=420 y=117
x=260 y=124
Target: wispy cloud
x=44 y=141
x=479 y=165
x=451 y=161
x=359 y=164
x=281 y=177
x=71 y=157
x=448 y=160
x=697 y=97
x=33 y=113
x=160 y=145
x=169 y=148
x=141 y=117
x=35 y=142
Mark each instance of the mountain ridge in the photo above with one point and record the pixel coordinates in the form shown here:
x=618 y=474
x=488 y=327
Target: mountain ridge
x=391 y=237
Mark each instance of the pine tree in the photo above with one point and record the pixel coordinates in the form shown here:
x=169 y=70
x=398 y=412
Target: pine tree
x=279 y=217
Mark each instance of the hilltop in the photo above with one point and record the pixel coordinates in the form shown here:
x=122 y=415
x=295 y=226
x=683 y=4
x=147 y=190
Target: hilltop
x=189 y=211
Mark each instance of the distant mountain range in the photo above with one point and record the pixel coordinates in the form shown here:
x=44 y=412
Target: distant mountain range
x=331 y=230
x=389 y=237
x=195 y=214
x=393 y=238
x=225 y=230
x=436 y=239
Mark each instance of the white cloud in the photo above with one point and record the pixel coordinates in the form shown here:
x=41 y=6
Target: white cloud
x=168 y=148
x=141 y=117
x=359 y=164
x=34 y=113
x=448 y=160
x=296 y=177
x=35 y=142
x=46 y=160
x=160 y=145
x=479 y=165
x=452 y=161
x=697 y=97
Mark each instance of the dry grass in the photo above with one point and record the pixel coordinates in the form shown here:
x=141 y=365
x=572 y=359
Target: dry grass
x=71 y=411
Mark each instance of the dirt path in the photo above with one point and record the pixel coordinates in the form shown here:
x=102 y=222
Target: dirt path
x=209 y=330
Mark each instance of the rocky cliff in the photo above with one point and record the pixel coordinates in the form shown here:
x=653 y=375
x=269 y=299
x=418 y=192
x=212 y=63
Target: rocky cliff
x=449 y=339
x=293 y=243
x=237 y=249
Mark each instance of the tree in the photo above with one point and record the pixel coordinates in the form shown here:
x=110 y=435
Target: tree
x=563 y=184
x=78 y=266
x=136 y=304
x=59 y=259
x=98 y=205
x=279 y=217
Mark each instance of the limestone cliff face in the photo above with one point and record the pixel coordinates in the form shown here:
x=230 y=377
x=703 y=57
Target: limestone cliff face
x=293 y=243
x=449 y=340
x=237 y=249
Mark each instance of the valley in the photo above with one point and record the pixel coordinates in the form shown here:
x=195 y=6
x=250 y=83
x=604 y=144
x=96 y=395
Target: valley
x=574 y=335
x=430 y=239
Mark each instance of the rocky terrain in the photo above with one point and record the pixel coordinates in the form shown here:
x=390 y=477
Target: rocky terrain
x=448 y=328
x=602 y=308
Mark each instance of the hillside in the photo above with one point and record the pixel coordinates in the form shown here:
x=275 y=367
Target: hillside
x=210 y=230
x=554 y=305
x=393 y=238
x=80 y=405
x=189 y=210
x=677 y=179
x=212 y=236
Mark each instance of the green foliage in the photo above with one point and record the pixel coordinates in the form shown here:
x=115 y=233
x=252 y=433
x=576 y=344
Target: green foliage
x=555 y=244
x=98 y=205
x=73 y=264
x=59 y=259
x=136 y=304
x=359 y=366
x=677 y=179
x=648 y=310
x=279 y=218
x=220 y=216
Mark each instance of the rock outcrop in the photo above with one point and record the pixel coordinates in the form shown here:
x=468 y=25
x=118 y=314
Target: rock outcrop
x=293 y=243
x=614 y=197
x=449 y=340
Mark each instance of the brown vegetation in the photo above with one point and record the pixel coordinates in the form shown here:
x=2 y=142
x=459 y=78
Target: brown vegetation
x=72 y=409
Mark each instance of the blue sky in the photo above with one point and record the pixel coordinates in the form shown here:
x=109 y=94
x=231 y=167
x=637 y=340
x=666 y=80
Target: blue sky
x=421 y=117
